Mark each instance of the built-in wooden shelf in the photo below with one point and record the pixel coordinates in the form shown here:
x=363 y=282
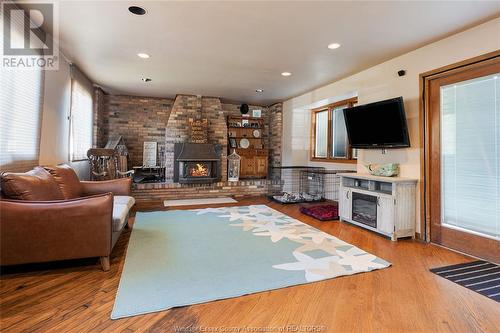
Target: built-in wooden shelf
x=254 y=159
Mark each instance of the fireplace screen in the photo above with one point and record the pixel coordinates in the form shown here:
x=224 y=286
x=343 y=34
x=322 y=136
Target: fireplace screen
x=364 y=209
x=197 y=169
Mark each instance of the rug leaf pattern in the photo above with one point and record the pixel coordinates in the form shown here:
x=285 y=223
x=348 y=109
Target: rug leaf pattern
x=335 y=258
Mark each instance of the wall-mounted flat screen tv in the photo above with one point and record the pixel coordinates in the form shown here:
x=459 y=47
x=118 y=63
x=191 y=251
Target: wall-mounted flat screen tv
x=377 y=125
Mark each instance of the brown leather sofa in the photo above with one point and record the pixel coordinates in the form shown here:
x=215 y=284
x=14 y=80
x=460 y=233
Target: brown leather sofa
x=48 y=214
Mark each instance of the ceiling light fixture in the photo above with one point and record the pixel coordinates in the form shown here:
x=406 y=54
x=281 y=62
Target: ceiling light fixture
x=286 y=73
x=136 y=10
x=333 y=46
x=143 y=55
x=259 y=90
x=146 y=79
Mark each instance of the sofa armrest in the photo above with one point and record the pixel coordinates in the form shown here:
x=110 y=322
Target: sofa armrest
x=121 y=186
x=40 y=231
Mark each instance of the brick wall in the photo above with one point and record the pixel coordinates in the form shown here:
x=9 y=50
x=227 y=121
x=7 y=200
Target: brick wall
x=101 y=124
x=177 y=131
x=164 y=120
x=275 y=114
x=136 y=119
x=217 y=127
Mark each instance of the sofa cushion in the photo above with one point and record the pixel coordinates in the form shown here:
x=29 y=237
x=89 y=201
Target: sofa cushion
x=124 y=200
x=67 y=180
x=119 y=217
x=121 y=207
x=35 y=185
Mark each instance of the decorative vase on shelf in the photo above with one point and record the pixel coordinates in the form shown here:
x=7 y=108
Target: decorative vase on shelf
x=386 y=170
x=233 y=167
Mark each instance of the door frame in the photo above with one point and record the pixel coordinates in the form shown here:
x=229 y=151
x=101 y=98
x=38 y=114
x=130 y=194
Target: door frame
x=425 y=126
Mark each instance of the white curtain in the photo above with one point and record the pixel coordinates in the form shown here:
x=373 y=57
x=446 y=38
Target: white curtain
x=21 y=102
x=81 y=134
x=470 y=155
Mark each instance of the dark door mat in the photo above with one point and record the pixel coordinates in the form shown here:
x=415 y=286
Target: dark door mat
x=480 y=276
x=321 y=212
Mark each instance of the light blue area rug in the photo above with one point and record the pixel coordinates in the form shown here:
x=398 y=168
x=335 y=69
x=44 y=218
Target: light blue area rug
x=186 y=257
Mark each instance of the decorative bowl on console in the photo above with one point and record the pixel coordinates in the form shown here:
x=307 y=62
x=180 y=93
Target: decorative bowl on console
x=386 y=170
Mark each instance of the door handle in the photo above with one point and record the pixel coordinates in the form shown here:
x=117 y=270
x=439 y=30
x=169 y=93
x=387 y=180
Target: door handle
x=347 y=194
x=378 y=201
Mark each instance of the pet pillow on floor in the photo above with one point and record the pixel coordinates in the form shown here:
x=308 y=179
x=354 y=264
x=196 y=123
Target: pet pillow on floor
x=322 y=213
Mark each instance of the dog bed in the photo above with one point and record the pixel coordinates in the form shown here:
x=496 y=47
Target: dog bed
x=321 y=212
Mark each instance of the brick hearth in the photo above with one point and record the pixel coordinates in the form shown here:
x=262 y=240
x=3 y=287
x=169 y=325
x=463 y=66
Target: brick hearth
x=161 y=191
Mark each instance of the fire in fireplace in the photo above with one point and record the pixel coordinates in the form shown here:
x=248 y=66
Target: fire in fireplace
x=200 y=169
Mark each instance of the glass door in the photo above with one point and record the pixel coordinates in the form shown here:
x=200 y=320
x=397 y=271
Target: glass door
x=464 y=166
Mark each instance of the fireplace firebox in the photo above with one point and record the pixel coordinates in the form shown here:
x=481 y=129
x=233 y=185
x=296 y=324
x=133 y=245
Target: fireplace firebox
x=364 y=209
x=197 y=163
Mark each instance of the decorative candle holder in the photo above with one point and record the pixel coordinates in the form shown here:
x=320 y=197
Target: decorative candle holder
x=233 y=167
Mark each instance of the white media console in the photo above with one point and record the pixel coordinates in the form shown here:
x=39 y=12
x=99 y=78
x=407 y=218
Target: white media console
x=385 y=205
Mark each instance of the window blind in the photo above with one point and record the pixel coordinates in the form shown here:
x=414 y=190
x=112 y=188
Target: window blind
x=321 y=145
x=470 y=156
x=81 y=118
x=21 y=103
x=340 y=143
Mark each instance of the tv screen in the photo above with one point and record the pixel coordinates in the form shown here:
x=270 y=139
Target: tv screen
x=377 y=125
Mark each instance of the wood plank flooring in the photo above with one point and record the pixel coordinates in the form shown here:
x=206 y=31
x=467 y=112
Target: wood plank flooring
x=77 y=296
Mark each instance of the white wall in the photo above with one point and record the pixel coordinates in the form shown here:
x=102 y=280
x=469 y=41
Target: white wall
x=382 y=82
x=54 y=136
x=54 y=142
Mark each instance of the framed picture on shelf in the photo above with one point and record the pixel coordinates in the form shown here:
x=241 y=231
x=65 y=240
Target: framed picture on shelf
x=232 y=143
x=149 y=153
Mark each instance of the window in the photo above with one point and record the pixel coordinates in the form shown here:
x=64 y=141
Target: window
x=330 y=142
x=21 y=103
x=81 y=119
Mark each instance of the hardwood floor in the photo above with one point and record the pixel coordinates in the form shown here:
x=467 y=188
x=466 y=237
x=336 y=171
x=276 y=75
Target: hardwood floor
x=77 y=296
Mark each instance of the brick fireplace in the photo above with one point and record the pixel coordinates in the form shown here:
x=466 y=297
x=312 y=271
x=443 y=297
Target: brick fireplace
x=165 y=121
x=197 y=163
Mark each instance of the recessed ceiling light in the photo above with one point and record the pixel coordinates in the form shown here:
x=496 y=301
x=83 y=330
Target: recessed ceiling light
x=333 y=46
x=136 y=10
x=143 y=55
x=146 y=79
x=259 y=90
x=286 y=73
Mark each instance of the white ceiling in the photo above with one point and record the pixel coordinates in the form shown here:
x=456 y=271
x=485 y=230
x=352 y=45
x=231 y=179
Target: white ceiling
x=229 y=48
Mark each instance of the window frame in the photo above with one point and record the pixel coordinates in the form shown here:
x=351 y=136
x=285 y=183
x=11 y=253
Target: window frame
x=330 y=108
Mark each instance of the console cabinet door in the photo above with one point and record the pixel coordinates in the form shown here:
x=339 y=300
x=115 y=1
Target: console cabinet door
x=385 y=214
x=345 y=203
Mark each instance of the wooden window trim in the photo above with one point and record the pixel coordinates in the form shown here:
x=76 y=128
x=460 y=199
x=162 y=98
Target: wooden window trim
x=349 y=102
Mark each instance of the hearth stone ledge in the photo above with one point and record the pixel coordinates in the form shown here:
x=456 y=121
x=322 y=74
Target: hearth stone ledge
x=243 y=188
x=247 y=182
